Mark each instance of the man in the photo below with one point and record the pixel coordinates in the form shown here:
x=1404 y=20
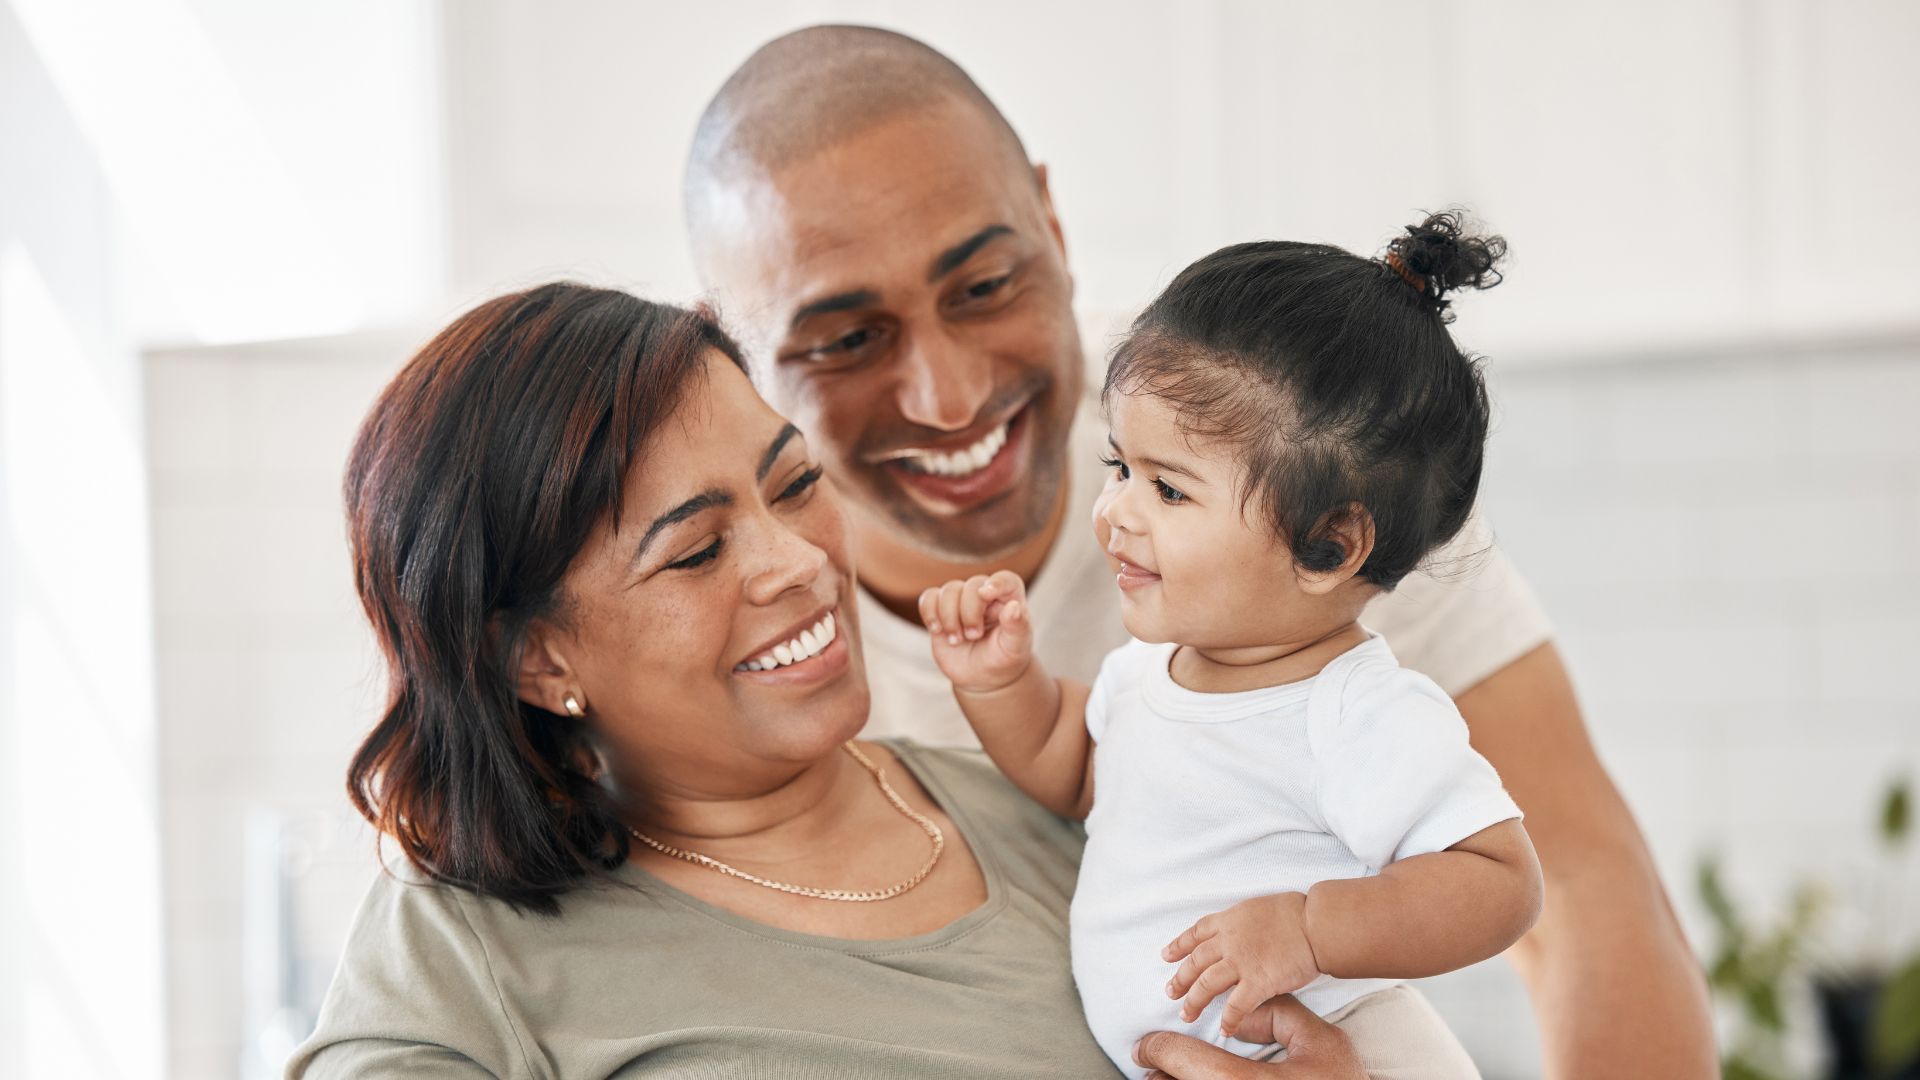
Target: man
x=875 y=235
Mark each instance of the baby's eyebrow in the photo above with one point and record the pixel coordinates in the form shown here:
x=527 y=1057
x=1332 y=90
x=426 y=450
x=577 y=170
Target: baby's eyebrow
x=1168 y=466
x=1163 y=466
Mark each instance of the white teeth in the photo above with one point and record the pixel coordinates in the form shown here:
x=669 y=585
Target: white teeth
x=811 y=642
x=960 y=462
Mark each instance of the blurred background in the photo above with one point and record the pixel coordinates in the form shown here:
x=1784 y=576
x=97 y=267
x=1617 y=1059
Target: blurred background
x=224 y=223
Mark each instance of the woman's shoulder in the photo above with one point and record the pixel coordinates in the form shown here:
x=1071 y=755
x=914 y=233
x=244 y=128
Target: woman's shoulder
x=382 y=1001
x=972 y=788
x=963 y=775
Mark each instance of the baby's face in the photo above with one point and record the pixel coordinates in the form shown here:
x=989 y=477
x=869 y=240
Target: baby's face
x=1190 y=567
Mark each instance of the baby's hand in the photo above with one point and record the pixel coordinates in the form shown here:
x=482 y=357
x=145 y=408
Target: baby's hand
x=982 y=637
x=1257 y=947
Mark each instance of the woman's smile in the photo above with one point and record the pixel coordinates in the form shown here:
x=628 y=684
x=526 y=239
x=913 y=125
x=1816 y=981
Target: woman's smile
x=808 y=653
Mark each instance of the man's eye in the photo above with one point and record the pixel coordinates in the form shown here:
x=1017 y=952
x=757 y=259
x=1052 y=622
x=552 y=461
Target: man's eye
x=704 y=555
x=1119 y=467
x=980 y=290
x=1168 y=493
x=852 y=341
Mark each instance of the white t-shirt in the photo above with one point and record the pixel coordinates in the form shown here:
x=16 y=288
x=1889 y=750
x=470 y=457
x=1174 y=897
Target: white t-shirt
x=1468 y=618
x=1204 y=800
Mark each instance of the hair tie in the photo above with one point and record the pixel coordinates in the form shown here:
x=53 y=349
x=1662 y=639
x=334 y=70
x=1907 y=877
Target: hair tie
x=1399 y=266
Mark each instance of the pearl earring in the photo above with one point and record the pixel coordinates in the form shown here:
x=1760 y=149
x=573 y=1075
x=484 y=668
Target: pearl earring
x=573 y=707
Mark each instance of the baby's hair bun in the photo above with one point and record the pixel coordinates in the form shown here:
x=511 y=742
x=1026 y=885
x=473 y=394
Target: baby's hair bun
x=1441 y=254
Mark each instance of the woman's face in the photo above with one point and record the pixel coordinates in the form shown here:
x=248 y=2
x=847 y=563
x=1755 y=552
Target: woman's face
x=711 y=630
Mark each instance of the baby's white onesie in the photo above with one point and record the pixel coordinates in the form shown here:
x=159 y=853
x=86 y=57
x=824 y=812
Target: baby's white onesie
x=1201 y=801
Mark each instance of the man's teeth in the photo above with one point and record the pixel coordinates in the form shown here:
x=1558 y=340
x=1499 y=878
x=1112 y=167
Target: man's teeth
x=960 y=462
x=808 y=645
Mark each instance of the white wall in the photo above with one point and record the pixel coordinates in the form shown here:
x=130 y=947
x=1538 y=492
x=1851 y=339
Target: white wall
x=1712 y=172
x=267 y=673
x=80 y=945
x=194 y=170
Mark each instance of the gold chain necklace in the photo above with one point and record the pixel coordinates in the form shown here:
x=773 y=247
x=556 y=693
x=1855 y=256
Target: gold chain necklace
x=879 y=777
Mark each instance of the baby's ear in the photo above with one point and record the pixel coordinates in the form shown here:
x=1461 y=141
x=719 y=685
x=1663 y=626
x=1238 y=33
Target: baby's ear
x=1335 y=550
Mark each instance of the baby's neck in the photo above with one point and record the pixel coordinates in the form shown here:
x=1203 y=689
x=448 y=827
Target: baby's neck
x=1255 y=667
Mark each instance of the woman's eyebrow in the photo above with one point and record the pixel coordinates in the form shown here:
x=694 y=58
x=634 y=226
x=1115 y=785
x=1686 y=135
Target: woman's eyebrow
x=706 y=500
x=773 y=451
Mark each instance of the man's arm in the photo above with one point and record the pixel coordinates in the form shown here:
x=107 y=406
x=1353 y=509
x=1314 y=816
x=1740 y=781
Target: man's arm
x=1615 y=986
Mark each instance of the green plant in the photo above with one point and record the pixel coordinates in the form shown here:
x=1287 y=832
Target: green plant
x=1896 y=1023
x=1753 y=966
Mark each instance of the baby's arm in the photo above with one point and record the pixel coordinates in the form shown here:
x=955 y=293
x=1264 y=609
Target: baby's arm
x=1033 y=726
x=1428 y=914
x=1420 y=916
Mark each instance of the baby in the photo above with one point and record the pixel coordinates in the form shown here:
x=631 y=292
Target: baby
x=1273 y=805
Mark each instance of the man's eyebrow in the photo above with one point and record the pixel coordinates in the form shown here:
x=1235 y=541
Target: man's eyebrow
x=951 y=259
x=1163 y=466
x=829 y=304
x=773 y=451
x=706 y=500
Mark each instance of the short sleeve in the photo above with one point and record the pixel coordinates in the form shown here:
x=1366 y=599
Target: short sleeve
x=1116 y=671
x=414 y=995
x=1468 y=614
x=1394 y=773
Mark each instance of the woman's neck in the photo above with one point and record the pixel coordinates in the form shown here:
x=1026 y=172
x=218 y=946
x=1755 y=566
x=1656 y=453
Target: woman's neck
x=779 y=818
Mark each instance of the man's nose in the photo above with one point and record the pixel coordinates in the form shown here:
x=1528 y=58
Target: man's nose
x=943 y=382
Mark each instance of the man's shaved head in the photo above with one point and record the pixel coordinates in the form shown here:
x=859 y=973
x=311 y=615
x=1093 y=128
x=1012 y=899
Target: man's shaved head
x=814 y=88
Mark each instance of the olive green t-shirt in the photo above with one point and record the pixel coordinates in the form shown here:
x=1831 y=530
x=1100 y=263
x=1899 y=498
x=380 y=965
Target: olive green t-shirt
x=649 y=981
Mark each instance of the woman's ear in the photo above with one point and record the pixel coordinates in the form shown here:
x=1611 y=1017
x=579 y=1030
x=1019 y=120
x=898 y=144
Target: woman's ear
x=1343 y=538
x=544 y=679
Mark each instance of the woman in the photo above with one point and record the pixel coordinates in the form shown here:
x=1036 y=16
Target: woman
x=615 y=598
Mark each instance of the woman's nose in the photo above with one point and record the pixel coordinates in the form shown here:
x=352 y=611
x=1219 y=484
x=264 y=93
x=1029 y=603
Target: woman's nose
x=782 y=560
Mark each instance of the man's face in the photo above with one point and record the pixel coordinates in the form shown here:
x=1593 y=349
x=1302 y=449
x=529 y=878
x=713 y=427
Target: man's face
x=905 y=300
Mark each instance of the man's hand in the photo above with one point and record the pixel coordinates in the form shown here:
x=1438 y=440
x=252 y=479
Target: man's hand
x=982 y=636
x=1257 y=947
x=1316 y=1050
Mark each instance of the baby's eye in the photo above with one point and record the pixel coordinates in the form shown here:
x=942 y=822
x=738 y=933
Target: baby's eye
x=1119 y=467
x=1168 y=493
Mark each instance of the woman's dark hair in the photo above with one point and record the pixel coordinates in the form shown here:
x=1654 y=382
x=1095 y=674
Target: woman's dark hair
x=1335 y=377
x=477 y=477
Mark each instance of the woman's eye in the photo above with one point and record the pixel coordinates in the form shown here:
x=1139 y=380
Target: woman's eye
x=1168 y=493
x=800 y=484
x=704 y=555
x=1119 y=467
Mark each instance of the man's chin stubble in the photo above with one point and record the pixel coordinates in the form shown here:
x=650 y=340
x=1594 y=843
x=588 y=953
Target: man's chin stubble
x=980 y=531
